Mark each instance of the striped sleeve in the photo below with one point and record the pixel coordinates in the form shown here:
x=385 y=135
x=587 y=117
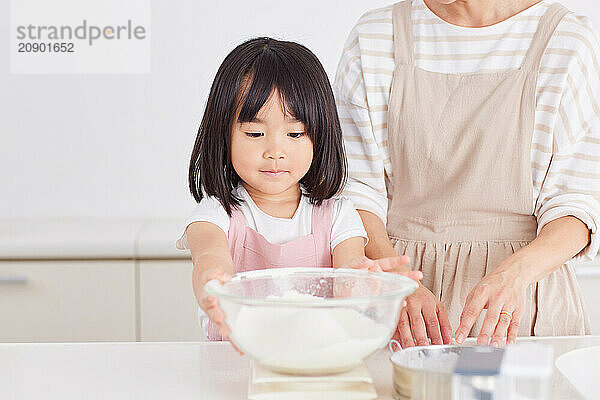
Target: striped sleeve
x=572 y=181
x=565 y=150
x=365 y=140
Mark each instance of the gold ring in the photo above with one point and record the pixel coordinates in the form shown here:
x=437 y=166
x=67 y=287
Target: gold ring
x=508 y=314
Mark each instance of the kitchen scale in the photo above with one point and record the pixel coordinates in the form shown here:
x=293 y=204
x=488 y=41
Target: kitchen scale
x=356 y=384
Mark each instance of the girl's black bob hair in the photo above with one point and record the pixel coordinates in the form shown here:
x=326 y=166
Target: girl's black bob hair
x=256 y=68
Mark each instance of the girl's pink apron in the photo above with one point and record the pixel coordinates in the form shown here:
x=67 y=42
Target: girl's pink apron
x=251 y=251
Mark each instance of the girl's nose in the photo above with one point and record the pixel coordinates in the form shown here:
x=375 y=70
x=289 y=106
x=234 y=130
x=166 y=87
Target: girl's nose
x=274 y=155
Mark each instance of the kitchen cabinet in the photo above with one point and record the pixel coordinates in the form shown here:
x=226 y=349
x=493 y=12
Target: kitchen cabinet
x=81 y=280
x=67 y=301
x=168 y=308
x=84 y=300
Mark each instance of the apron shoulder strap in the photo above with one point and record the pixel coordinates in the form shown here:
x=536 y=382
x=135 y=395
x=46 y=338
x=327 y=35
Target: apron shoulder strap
x=237 y=231
x=403 y=32
x=546 y=27
x=322 y=220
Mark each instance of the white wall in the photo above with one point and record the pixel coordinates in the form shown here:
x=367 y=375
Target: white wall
x=119 y=145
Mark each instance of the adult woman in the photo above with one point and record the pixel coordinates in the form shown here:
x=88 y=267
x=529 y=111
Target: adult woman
x=472 y=129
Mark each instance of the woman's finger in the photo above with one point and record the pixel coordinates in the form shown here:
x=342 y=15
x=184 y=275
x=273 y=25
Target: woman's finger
x=418 y=325
x=502 y=327
x=513 y=328
x=489 y=323
x=406 y=337
x=445 y=327
x=476 y=301
x=430 y=316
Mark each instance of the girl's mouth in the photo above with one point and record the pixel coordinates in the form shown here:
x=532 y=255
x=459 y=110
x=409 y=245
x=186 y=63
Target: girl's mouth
x=274 y=173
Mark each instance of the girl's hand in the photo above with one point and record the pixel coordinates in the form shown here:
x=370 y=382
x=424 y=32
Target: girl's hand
x=502 y=293
x=425 y=317
x=210 y=305
x=398 y=265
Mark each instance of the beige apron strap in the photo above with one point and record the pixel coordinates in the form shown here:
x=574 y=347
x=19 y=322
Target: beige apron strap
x=403 y=33
x=545 y=29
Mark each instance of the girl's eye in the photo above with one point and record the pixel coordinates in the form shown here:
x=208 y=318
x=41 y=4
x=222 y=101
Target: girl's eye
x=296 y=134
x=254 y=134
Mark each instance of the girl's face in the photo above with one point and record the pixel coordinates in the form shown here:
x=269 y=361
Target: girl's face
x=272 y=153
x=444 y=2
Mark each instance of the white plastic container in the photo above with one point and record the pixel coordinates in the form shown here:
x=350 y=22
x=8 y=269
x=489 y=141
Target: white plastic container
x=519 y=372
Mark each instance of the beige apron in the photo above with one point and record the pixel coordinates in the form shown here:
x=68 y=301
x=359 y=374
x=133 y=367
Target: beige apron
x=462 y=185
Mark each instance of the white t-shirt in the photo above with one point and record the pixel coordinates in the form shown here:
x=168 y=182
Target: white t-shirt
x=346 y=222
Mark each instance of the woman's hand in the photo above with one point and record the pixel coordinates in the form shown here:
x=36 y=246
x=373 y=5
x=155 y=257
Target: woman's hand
x=502 y=293
x=422 y=311
x=424 y=315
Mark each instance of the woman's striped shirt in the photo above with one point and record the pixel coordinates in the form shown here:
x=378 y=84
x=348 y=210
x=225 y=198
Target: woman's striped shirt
x=565 y=151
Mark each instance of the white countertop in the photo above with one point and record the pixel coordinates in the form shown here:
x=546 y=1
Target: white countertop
x=110 y=238
x=68 y=238
x=158 y=236
x=190 y=370
x=90 y=238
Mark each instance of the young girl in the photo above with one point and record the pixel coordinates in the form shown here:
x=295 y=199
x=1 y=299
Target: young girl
x=267 y=163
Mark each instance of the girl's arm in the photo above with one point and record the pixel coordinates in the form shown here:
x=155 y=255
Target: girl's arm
x=379 y=245
x=348 y=250
x=212 y=260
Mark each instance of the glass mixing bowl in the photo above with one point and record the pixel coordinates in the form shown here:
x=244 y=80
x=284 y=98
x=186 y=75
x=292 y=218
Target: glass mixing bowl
x=311 y=320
